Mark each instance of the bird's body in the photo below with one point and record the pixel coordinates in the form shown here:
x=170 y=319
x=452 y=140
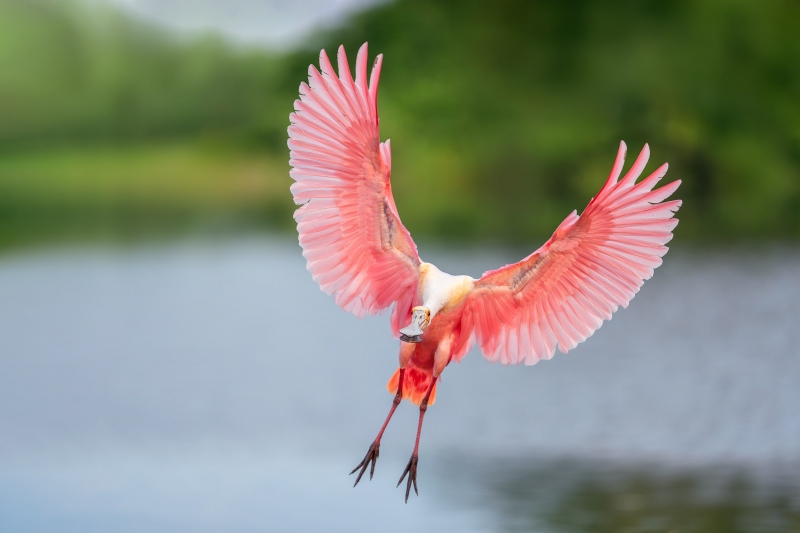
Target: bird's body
x=359 y=251
x=441 y=291
x=444 y=295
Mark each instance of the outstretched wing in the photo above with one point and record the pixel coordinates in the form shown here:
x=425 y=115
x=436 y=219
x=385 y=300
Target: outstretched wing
x=560 y=294
x=352 y=238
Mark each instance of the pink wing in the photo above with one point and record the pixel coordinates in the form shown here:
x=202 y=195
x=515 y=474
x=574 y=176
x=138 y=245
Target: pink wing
x=560 y=294
x=352 y=238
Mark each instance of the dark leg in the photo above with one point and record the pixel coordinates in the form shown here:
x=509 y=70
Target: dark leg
x=411 y=468
x=374 y=448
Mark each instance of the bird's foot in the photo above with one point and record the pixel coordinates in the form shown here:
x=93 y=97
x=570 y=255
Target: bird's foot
x=411 y=470
x=370 y=459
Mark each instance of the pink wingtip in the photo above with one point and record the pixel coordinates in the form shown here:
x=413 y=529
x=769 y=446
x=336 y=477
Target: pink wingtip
x=361 y=70
x=616 y=170
x=361 y=77
x=374 y=78
x=363 y=52
x=645 y=152
x=638 y=165
x=325 y=63
x=619 y=162
x=344 y=66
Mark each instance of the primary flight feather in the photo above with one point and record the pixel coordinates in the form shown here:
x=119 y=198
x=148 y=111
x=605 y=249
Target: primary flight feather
x=358 y=250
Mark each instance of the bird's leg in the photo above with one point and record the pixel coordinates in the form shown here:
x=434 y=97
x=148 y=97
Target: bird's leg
x=411 y=468
x=374 y=448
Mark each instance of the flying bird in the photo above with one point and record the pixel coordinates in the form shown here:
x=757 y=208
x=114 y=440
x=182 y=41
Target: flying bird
x=359 y=252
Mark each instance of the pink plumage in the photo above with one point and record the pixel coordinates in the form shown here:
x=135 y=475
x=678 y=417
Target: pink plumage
x=356 y=247
x=594 y=263
x=358 y=250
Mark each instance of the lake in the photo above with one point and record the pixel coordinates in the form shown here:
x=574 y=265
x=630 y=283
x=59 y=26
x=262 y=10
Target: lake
x=211 y=386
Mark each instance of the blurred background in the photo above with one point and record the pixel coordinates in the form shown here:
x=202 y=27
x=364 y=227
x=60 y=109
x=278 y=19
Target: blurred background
x=150 y=380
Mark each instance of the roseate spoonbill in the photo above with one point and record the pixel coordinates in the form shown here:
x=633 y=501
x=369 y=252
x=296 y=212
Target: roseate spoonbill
x=358 y=250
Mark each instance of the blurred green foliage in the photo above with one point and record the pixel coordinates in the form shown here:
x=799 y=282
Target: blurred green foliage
x=82 y=72
x=111 y=127
x=509 y=113
x=504 y=116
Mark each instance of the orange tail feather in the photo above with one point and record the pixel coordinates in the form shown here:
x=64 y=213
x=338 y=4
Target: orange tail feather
x=415 y=385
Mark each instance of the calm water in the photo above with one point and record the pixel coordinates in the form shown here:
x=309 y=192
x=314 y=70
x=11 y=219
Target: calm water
x=212 y=387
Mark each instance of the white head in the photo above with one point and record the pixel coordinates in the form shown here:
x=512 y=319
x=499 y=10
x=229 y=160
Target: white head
x=420 y=318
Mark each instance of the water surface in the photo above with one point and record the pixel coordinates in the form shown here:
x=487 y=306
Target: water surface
x=212 y=387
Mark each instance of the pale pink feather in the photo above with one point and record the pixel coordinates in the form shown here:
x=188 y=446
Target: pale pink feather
x=594 y=263
x=355 y=246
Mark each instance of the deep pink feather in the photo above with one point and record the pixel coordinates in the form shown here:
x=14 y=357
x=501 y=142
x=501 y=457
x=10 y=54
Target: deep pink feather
x=594 y=263
x=355 y=246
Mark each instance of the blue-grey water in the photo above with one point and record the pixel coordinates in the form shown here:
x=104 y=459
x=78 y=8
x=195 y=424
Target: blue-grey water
x=210 y=386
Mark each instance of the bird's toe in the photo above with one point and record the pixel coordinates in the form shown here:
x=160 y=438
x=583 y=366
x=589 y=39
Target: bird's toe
x=369 y=460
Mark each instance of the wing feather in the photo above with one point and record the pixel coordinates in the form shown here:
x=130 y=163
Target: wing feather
x=354 y=243
x=560 y=294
